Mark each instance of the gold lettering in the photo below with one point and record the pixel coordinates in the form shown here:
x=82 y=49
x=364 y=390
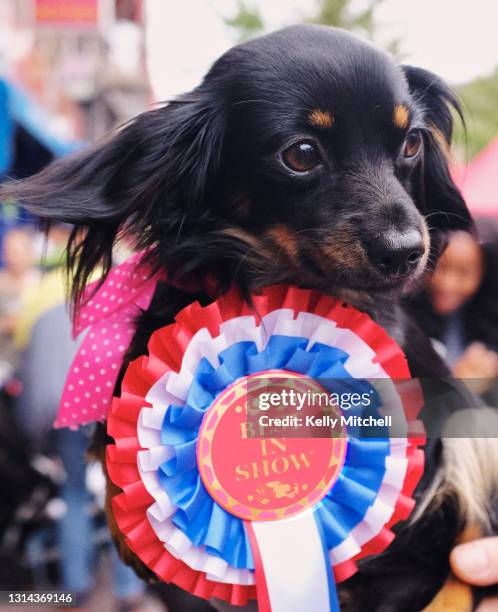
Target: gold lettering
x=268 y=467
x=284 y=465
x=297 y=464
x=242 y=473
x=246 y=429
x=279 y=444
x=274 y=442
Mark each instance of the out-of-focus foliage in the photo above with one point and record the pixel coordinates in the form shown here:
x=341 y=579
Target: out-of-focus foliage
x=340 y=13
x=479 y=99
x=247 y=21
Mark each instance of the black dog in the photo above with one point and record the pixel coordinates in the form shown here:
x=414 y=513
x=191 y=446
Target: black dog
x=305 y=157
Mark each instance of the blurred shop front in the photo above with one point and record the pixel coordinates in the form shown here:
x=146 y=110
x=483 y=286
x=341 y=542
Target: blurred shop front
x=82 y=60
x=70 y=71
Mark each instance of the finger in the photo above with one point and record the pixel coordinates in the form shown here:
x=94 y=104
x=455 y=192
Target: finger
x=488 y=605
x=491 y=355
x=493 y=358
x=477 y=348
x=476 y=562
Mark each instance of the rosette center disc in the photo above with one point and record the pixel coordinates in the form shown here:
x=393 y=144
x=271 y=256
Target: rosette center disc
x=264 y=478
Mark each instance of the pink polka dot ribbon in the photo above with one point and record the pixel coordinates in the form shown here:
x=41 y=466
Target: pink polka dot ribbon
x=109 y=317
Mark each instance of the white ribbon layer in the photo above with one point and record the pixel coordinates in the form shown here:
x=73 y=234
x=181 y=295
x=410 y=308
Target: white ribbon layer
x=294 y=564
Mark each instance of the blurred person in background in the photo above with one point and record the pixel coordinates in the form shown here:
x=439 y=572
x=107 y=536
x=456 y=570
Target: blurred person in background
x=50 y=291
x=76 y=533
x=18 y=274
x=459 y=307
x=27 y=478
x=43 y=330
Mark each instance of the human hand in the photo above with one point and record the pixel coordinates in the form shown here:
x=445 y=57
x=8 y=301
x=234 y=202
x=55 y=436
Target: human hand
x=476 y=563
x=478 y=366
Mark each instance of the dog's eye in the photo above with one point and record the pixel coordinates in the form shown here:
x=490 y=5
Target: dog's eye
x=302 y=156
x=413 y=143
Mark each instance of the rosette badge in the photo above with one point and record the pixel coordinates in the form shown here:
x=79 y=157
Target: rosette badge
x=218 y=506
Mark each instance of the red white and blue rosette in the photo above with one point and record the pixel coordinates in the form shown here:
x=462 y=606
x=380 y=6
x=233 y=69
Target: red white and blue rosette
x=171 y=509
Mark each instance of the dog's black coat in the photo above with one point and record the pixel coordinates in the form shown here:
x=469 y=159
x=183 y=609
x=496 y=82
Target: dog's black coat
x=203 y=184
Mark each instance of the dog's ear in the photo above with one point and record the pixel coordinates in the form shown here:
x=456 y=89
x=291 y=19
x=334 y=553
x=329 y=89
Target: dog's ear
x=140 y=183
x=439 y=196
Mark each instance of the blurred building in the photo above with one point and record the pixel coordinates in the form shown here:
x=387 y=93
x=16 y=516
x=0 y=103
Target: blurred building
x=82 y=60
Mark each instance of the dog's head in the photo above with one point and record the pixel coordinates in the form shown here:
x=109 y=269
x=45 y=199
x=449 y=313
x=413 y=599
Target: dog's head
x=305 y=156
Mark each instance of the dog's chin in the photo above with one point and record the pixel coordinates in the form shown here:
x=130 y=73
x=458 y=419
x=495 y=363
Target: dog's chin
x=372 y=282
x=388 y=289
x=364 y=290
x=359 y=287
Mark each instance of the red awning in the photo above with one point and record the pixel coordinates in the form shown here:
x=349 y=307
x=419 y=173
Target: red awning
x=479 y=181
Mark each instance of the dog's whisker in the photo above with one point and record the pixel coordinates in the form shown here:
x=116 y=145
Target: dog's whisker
x=243 y=260
x=180 y=227
x=253 y=101
x=446 y=213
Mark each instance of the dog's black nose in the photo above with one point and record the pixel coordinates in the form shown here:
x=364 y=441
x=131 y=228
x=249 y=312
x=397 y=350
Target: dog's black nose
x=395 y=253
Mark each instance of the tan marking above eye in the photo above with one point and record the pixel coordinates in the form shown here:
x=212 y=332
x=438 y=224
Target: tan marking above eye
x=321 y=118
x=401 y=116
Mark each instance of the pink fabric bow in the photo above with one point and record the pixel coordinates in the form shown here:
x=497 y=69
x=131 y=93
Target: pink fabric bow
x=110 y=318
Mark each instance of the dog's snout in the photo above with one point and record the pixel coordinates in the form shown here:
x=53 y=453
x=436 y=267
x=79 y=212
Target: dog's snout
x=397 y=254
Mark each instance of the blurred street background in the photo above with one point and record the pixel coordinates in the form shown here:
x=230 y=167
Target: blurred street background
x=71 y=71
